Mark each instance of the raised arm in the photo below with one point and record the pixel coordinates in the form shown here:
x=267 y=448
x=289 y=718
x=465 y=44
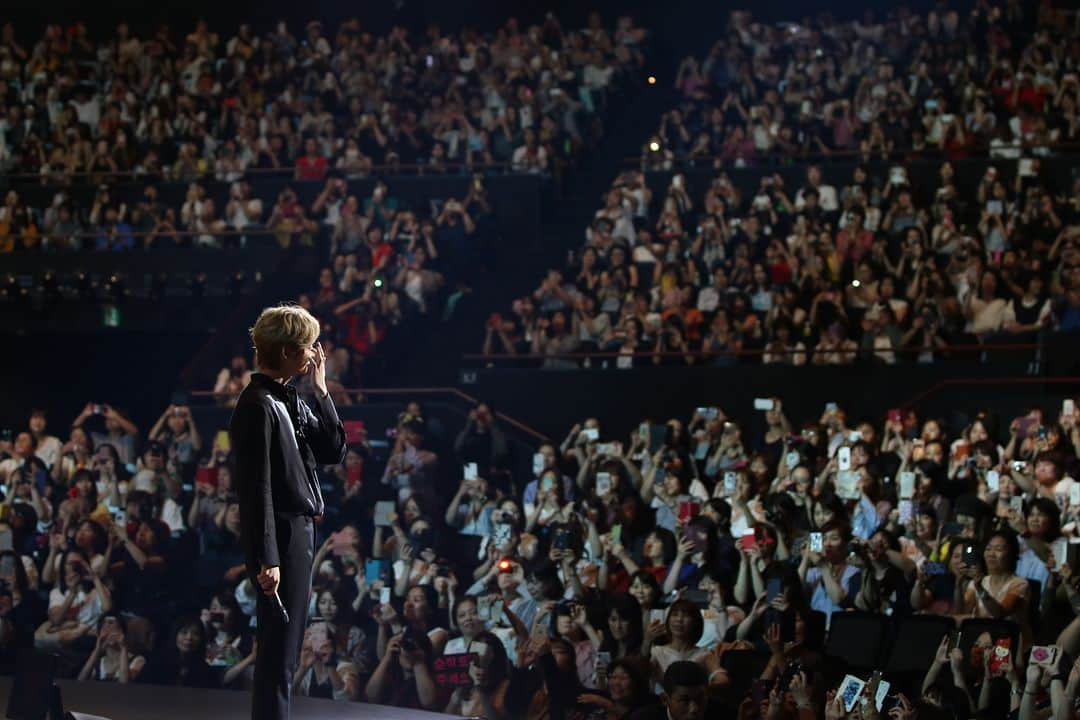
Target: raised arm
x=325 y=431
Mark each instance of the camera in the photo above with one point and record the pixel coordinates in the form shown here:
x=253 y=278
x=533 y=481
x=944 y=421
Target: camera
x=793 y=668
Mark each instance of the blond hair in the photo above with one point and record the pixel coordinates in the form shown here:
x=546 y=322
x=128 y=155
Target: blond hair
x=281 y=327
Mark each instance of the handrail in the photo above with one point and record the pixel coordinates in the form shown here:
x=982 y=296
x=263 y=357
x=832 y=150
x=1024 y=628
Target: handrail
x=513 y=422
x=751 y=352
x=211 y=173
x=921 y=395
x=153 y=233
x=977 y=152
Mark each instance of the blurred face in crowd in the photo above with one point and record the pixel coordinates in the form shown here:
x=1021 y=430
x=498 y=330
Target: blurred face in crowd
x=822 y=515
x=686 y=703
x=232 y=516
x=801 y=477
x=859 y=456
x=834 y=545
x=878 y=545
x=619 y=626
x=620 y=685
x=187 y=639
x=411 y=511
x=83 y=485
x=468 y=621
x=84 y=536
x=416 y=605
x=956 y=559
x=679 y=624
x=506 y=582
x=996 y=555
x=177 y=424
x=1046 y=473
x=72 y=571
x=144 y=537
x=1006 y=488
x=548 y=451
x=154 y=459
x=672 y=484
x=80 y=439
x=969 y=525
x=654 y=547
x=924 y=486
x=977 y=433
x=564 y=624
x=221 y=615
x=1038 y=522
x=24 y=445
x=925 y=527
x=931 y=431
x=224 y=481
x=743 y=488
x=643 y=593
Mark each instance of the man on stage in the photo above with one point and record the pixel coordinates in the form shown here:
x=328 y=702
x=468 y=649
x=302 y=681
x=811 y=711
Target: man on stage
x=278 y=441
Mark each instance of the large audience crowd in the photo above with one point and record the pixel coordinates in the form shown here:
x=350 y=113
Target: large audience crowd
x=696 y=567
x=127 y=115
x=703 y=558
x=998 y=80
x=874 y=269
x=876 y=266
x=188 y=106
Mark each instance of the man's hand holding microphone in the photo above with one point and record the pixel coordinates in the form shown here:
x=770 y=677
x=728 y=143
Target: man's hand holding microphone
x=269 y=579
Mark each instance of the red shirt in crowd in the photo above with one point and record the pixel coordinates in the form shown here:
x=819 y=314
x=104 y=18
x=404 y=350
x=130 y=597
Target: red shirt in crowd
x=311 y=167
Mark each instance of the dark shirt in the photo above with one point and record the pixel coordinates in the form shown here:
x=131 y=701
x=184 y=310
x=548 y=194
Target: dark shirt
x=167 y=668
x=222 y=551
x=25 y=619
x=278 y=442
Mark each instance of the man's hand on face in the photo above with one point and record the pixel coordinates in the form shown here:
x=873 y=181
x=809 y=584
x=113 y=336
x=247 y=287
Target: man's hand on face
x=269 y=578
x=318 y=369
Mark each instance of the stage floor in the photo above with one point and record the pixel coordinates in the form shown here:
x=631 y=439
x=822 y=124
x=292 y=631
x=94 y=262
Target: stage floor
x=161 y=702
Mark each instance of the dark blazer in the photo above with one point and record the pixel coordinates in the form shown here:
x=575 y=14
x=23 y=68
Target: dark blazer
x=278 y=442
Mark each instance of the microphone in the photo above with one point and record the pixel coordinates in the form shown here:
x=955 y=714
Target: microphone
x=280 y=607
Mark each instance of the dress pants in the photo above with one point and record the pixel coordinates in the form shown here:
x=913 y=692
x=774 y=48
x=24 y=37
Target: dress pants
x=278 y=652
